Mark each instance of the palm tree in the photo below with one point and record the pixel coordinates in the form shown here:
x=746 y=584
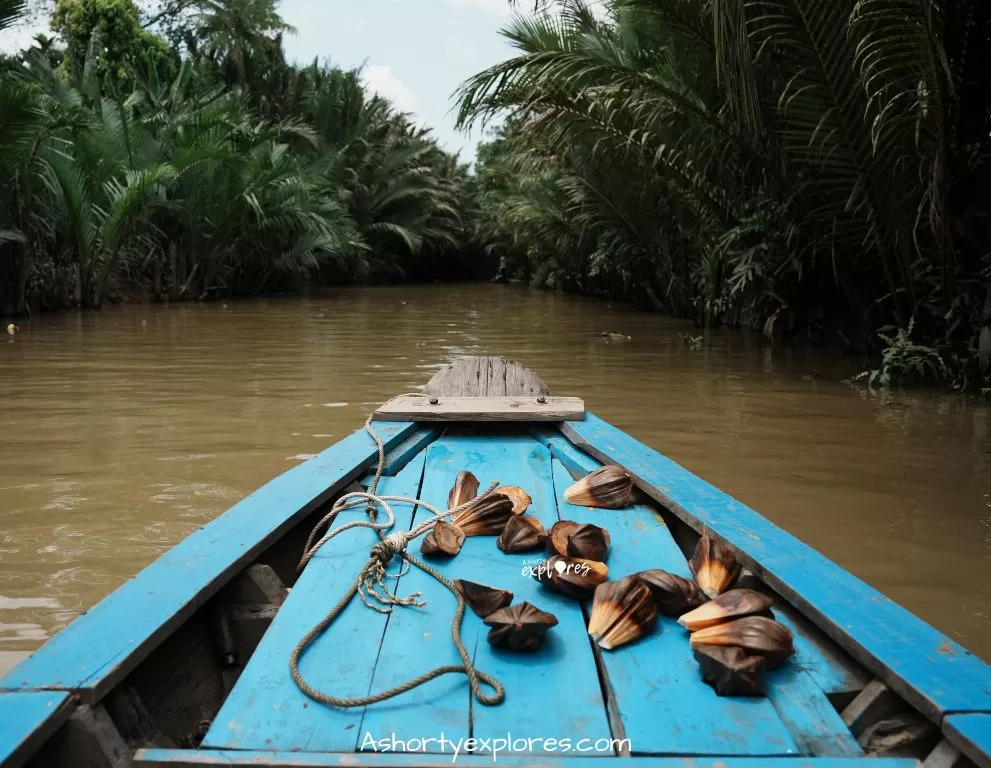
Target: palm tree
x=231 y=32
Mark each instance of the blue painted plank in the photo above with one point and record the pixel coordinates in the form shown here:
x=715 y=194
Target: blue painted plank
x=812 y=720
x=108 y=641
x=657 y=680
x=971 y=734
x=832 y=669
x=418 y=639
x=929 y=670
x=398 y=457
x=190 y=758
x=266 y=710
x=27 y=719
x=578 y=463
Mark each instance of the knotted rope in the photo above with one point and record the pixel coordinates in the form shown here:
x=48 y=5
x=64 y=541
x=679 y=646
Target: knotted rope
x=369 y=586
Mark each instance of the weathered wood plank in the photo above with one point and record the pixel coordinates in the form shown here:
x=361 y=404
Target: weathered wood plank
x=664 y=706
x=833 y=670
x=189 y=758
x=929 y=670
x=802 y=705
x=517 y=408
x=575 y=461
x=104 y=644
x=266 y=710
x=27 y=719
x=971 y=734
x=418 y=639
x=471 y=376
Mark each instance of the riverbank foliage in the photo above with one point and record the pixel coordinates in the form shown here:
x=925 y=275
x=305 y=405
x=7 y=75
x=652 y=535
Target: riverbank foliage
x=198 y=163
x=814 y=168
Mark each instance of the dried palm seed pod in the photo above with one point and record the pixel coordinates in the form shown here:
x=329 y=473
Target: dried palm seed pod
x=754 y=634
x=608 y=487
x=572 y=576
x=481 y=599
x=622 y=611
x=520 y=498
x=730 y=670
x=714 y=566
x=465 y=488
x=731 y=605
x=443 y=539
x=672 y=594
x=519 y=627
x=557 y=540
x=589 y=542
x=521 y=534
x=485 y=517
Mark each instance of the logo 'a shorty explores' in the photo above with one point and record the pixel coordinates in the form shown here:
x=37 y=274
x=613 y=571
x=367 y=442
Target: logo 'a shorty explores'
x=535 y=569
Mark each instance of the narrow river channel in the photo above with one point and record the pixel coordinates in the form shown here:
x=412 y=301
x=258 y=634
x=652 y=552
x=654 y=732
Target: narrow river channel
x=122 y=431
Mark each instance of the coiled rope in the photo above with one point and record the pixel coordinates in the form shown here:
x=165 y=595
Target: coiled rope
x=369 y=586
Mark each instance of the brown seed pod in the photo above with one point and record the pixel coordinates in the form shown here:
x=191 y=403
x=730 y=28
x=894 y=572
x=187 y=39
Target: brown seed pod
x=443 y=539
x=589 y=542
x=572 y=576
x=734 y=604
x=520 y=498
x=608 y=487
x=519 y=627
x=730 y=670
x=754 y=634
x=521 y=534
x=672 y=594
x=485 y=517
x=622 y=611
x=465 y=488
x=557 y=540
x=481 y=599
x=714 y=566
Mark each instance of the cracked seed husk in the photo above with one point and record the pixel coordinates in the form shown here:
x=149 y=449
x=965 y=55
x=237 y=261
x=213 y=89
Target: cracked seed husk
x=714 y=566
x=622 y=611
x=731 y=605
x=609 y=487
x=487 y=516
x=443 y=539
x=519 y=627
x=672 y=594
x=481 y=599
x=754 y=634
x=521 y=534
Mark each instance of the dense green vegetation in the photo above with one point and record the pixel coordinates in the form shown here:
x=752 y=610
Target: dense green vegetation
x=813 y=168
x=206 y=165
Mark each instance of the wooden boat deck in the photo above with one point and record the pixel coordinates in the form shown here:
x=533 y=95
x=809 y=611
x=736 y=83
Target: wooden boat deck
x=858 y=653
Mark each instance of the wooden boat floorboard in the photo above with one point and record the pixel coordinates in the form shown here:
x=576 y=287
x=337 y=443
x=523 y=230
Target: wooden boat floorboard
x=933 y=673
x=266 y=710
x=656 y=680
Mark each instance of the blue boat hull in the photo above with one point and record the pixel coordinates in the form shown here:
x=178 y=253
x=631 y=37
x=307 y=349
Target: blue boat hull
x=187 y=663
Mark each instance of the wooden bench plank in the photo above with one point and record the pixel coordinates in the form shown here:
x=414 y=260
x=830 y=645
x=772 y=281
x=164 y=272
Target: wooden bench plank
x=190 y=758
x=266 y=710
x=104 y=644
x=971 y=734
x=518 y=408
x=27 y=719
x=929 y=670
x=664 y=706
x=418 y=639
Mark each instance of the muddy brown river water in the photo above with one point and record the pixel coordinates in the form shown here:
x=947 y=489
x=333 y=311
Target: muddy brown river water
x=124 y=430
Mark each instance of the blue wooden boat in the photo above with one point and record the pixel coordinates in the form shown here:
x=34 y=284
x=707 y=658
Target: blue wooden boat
x=187 y=664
